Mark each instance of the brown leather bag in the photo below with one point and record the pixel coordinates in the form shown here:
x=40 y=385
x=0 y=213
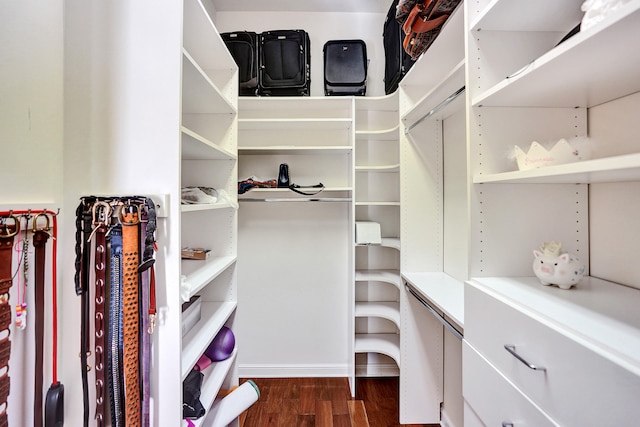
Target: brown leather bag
x=422 y=21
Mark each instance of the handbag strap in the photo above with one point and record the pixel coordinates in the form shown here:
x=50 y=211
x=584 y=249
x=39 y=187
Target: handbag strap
x=296 y=189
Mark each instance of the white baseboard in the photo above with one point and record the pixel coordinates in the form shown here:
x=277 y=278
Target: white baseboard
x=292 y=371
x=377 y=370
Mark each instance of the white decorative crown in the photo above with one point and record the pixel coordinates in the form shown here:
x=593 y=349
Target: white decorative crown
x=538 y=156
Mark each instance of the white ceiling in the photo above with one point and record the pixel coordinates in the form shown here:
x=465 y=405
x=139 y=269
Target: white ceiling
x=365 y=6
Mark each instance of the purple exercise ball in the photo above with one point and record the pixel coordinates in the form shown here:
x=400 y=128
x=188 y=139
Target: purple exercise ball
x=222 y=345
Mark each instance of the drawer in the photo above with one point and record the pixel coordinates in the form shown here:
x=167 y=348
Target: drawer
x=578 y=387
x=492 y=399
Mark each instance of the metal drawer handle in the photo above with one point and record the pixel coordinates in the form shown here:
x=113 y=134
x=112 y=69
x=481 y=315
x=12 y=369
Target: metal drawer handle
x=512 y=349
x=507 y=424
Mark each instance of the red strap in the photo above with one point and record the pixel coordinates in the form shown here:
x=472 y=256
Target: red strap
x=415 y=23
x=414 y=14
x=54 y=299
x=152 y=292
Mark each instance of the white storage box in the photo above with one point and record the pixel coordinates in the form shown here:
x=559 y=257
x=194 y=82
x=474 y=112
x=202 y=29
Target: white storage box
x=368 y=233
x=190 y=314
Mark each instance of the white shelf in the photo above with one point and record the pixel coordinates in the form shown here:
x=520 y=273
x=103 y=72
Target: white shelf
x=387 y=242
x=197 y=147
x=292 y=193
x=568 y=75
x=523 y=15
x=611 y=169
x=214 y=376
x=378 y=103
x=202 y=39
x=205 y=207
x=373 y=203
x=388 y=344
x=310 y=106
x=213 y=317
x=390 y=134
x=387 y=276
x=293 y=150
x=443 y=291
x=198 y=273
x=199 y=94
x=382 y=168
x=601 y=315
x=342 y=194
x=385 y=310
x=391 y=242
x=309 y=124
x=437 y=62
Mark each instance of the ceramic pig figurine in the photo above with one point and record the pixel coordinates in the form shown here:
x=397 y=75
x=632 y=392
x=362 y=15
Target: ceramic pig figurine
x=552 y=268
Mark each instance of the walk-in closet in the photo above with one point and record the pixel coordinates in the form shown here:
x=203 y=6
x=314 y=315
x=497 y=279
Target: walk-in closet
x=413 y=246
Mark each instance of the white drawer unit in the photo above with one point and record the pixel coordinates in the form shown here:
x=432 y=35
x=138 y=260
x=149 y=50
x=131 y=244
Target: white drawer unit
x=493 y=399
x=535 y=336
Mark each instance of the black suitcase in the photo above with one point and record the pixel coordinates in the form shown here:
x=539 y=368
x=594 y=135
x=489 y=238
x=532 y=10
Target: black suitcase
x=397 y=61
x=245 y=49
x=345 y=67
x=285 y=64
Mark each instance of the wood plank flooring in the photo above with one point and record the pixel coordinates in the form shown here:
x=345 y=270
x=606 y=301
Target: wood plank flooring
x=324 y=402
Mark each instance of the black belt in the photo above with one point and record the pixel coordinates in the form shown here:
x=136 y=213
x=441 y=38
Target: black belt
x=83 y=261
x=40 y=238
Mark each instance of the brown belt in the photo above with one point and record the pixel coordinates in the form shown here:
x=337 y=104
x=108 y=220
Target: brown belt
x=129 y=217
x=101 y=213
x=40 y=238
x=7 y=232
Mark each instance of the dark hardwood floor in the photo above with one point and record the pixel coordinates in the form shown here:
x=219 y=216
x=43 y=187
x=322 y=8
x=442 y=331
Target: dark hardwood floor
x=324 y=402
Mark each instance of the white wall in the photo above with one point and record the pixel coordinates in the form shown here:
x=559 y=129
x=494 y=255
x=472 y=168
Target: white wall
x=613 y=207
x=31 y=101
x=321 y=28
x=293 y=291
x=31 y=141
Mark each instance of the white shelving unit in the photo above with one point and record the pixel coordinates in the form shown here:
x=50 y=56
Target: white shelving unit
x=552 y=92
x=296 y=247
x=434 y=229
x=377 y=267
x=209 y=158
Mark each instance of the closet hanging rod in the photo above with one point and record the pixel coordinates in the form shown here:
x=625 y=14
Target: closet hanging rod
x=324 y=199
x=437 y=315
x=435 y=109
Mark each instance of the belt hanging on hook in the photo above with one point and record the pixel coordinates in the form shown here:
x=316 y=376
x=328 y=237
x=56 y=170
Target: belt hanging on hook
x=54 y=401
x=118 y=232
x=7 y=233
x=40 y=238
x=10 y=226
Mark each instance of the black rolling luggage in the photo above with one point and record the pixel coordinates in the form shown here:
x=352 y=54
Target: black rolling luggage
x=244 y=47
x=397 y=61
x=285 y=63
x=345 y=67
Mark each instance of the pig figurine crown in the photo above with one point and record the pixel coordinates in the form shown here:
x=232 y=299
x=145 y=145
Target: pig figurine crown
x=552 y=267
